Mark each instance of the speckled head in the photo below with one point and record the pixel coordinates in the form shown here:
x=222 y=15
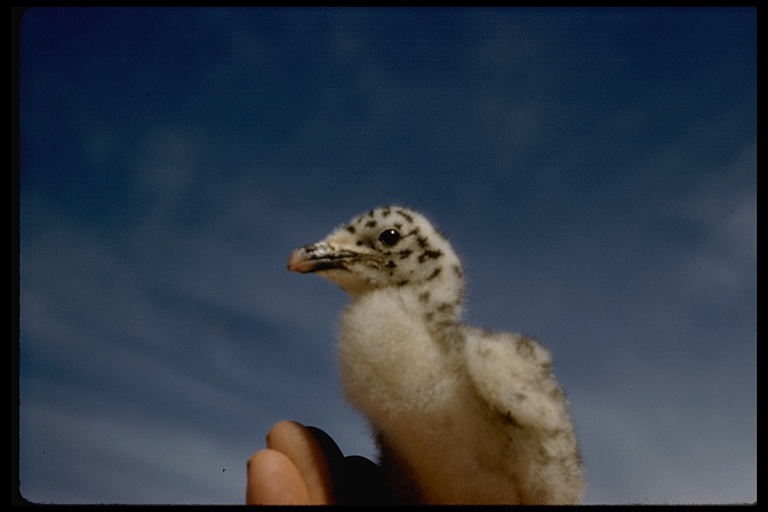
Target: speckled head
x=388 y=246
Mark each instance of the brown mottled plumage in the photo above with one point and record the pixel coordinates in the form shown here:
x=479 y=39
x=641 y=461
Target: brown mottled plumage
x=461 y=415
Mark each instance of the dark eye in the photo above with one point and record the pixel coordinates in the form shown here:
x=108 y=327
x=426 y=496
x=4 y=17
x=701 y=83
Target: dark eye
x=389 y=237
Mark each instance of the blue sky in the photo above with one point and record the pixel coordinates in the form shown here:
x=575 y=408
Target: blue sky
x=594 y=168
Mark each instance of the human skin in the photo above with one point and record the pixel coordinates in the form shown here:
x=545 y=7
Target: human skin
x=304 y=466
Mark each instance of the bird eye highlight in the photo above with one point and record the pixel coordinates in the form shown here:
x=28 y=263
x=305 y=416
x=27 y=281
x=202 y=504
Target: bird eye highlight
x=389 y=237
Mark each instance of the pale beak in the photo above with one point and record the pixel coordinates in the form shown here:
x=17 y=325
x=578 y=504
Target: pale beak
x=319 y=256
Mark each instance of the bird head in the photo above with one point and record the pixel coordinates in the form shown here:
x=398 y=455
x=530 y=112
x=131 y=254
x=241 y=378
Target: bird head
x=390 y=246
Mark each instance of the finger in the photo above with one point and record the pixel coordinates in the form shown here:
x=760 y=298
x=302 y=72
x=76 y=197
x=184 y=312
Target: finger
x=274 y=480
x=333 y=455
x=303 y=448
x=362 y=482
x=356 y=480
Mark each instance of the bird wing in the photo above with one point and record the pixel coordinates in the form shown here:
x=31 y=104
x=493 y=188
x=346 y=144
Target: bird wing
x=512 y=374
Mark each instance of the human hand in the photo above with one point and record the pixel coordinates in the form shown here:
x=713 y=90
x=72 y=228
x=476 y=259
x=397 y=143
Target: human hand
x=304 y=466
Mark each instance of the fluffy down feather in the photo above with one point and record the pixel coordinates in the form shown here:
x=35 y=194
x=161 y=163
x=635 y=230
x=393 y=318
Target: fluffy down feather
x=461 y=415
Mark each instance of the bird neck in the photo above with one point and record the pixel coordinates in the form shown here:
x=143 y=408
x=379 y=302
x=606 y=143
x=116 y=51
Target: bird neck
x=440 y=299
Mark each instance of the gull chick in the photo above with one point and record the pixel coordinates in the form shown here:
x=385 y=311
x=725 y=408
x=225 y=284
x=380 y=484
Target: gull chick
x=461 y=415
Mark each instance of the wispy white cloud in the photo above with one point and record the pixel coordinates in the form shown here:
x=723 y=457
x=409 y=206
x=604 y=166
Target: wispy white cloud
x=725 y=207
x=111 y=455
x=187 y=350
